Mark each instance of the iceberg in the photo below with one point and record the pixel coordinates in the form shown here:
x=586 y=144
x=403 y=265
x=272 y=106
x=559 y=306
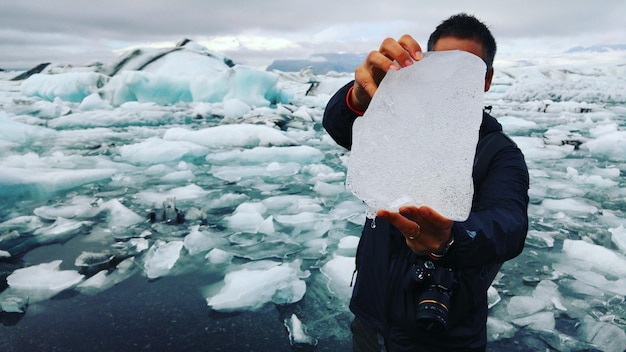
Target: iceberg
x=70 y=86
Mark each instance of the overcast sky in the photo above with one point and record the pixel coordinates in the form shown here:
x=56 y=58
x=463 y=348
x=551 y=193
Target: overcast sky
x=255 y=32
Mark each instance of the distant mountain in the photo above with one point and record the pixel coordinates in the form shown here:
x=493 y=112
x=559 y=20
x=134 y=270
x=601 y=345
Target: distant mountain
x=596 y=48
x=321 y=63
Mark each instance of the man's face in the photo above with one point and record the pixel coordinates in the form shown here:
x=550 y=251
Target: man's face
x=469 y=45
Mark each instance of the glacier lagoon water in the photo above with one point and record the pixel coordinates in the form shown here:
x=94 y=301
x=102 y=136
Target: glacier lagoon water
x=264 y=257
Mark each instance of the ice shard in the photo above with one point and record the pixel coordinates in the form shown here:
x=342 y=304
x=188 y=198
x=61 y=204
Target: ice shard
x=416 y=142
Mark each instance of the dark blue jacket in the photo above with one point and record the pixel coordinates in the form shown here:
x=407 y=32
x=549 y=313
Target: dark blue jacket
x=494 y=232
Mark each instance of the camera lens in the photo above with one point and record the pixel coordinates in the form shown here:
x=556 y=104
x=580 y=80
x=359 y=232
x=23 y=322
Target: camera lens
x=432 y=308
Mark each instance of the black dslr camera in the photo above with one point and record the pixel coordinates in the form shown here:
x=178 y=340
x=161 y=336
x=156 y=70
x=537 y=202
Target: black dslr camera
x=435 y=284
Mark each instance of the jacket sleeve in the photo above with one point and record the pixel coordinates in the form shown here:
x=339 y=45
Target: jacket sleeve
x=496 y=228
x=338 y=118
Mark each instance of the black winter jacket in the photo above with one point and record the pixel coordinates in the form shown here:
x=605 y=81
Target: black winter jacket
x=494 y=232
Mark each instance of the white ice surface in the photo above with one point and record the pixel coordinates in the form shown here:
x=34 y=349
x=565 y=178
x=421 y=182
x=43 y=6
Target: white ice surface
x=251 y=289
x=42 y=281
x=416 y=142
x=161 y=258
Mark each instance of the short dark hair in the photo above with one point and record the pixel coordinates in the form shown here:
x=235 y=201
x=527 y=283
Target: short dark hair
x=466 y=26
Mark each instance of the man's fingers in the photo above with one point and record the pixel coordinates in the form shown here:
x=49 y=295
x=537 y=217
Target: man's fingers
x=364 y=84
x=406 y=226
x=395 y=52
x=378 y=60
x=392 y=55
x=410 y=211
x=411 y=46
x=432 y=216
x=369 y=75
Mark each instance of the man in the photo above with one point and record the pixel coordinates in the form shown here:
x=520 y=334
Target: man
x=387 y=300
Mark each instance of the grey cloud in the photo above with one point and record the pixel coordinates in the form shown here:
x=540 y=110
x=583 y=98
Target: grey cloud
x=87 y=23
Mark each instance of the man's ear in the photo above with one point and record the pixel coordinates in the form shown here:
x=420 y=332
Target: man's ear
x=488 y=79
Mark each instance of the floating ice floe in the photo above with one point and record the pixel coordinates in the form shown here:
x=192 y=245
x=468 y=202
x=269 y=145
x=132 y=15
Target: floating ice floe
x=535 y=312
x=37 y=181
x=618 y=237
x=605 y=336
x=498 y=329
x=339 y=271
x=610 y=145
x=161 y=257
x=104 y=279
x=42 y=281
x=298 y=154
x=230 y=136
x=13 y=131
x=596 y=257
x=198 y=241
x=251 y=288
x=155 y=151
x=298 y=335
x=218 y=256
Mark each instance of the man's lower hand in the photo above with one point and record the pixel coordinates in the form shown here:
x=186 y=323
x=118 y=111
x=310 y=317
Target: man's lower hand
x=425 y=230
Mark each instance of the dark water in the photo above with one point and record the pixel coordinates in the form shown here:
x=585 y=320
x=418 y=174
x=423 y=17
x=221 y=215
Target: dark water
x=166 y=314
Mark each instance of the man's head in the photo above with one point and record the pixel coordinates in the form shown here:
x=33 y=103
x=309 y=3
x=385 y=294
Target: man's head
x=465 y=32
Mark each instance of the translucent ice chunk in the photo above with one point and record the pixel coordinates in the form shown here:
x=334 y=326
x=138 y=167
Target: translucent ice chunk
x=417 y=140
x=618 y=236
x=542 y=321
x=200 y=241
x=493 y=297
x=13 y=304
x=499 y=329
x=523 y=306
x=604 y=336
x=597 y=257
x=338 y=271
x=161 y=258
x=297 y=332
x=250 y=289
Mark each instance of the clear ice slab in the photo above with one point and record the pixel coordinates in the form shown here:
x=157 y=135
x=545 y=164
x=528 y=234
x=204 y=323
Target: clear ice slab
x=416 y=142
